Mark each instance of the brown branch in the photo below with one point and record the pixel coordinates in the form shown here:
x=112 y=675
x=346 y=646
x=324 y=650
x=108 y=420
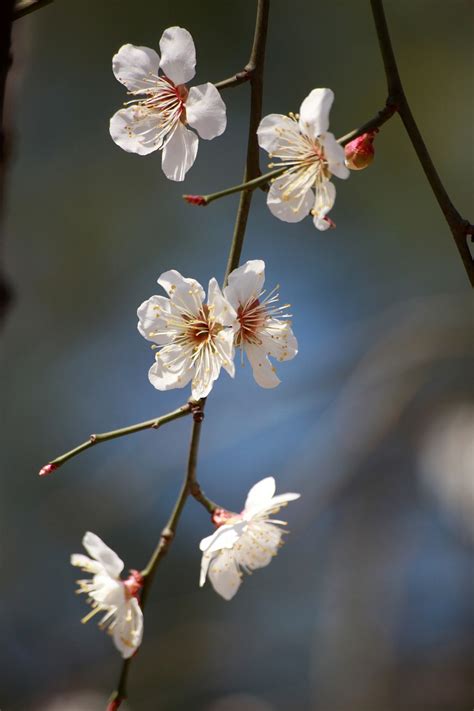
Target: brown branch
x=166 y=537
x=24 y=7
x=6 y=20
x=460 y=228
x=378 y=120
x=252 y=167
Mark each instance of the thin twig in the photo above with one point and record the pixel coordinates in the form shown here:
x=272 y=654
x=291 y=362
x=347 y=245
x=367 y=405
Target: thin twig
x=105 y=436
x=6 y=20
x=24 y=7
x=252 y=168
x=461 y=229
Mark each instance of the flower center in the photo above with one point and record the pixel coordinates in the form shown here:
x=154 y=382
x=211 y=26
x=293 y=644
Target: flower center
x=164 y=100
x=251 y=317
x=201 y=328
x=304 y=158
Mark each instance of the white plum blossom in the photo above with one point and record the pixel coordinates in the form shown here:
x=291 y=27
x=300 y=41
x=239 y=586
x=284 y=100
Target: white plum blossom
x=194 y=340
x=245 y=541
x=158 y=117
x=261 y=329
x=109 y=594
x=311 y=156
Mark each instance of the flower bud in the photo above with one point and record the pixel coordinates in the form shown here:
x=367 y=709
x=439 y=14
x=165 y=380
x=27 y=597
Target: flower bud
x=195 y=199
x=48 y=469
x=360 y=152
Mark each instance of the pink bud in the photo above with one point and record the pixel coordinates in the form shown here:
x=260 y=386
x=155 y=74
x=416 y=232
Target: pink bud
x=220 y=517
x=114 y=705
x=360 y=152
x=195 y=199
x=48 y=469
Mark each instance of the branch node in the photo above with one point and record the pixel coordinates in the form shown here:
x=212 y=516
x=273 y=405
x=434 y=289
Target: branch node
x=167 y=536
x=198 y=412
x=93 y=438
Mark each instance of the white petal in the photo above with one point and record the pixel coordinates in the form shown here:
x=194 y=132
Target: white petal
x=128 y=630
x=224 y=537
x=207 y=370
x=260 y=494
x=314 y=112
x=278 y=340
x=151 y=321
x=272 y=505
x=179 y=153
x=263 y=370
x=135 y=67
x=324 y=201
x=86 y=564
x=178 y=55
x=334 y=154
x=205 y=111
x=171 y=369
x=223 y=310
x=225 y=345
x=259 y=546
x=224 y=575
x=245 y=283
x=274 y=130
x=97 y=549
x=109 y=592
x=136 y=130
x=290 y=208
x=184 y=290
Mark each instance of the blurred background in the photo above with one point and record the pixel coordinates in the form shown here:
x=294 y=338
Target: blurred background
x=369 y=606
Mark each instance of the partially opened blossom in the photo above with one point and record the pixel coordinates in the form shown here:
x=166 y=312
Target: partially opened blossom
x=261 y=328
x=194 y=339
x=109 y=595
x=158 y=117
x=311 y=156
x=245 y=541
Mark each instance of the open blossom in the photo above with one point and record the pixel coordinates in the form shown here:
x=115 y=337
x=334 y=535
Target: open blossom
x=245 y=541
x=158 y=117
x=311 y=156
x=195 y=340
x=109 y=594
x=261 y=329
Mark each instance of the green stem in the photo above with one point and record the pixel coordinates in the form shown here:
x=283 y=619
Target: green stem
x=249 y=185
x=105 y=436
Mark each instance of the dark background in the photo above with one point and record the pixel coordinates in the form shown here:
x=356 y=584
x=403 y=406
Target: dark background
x=369 y=605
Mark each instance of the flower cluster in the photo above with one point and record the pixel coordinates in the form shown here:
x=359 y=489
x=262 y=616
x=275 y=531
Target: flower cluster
x=195 y=335
x=244 y=541
x=195 y=339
